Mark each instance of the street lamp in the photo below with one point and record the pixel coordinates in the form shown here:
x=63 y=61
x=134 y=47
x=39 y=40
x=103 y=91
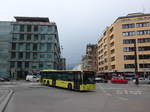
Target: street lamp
x=135 y=59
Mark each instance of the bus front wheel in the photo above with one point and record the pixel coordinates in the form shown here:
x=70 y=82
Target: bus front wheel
x=47 y=84
x=69 y=86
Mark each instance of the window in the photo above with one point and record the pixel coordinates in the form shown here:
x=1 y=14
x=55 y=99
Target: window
x=42 y=46
x=126 y=66
x=35 y=46
x=12 y=64
x=113 y=66
x=36 y=28
x=105 y=53
x=129 y=41
x=49 y=56
x=144 y=56
x=13 y=55
x=28 y=55
x=111 y=37
x=19 y=64
x=50 y=28
x=48 y=47
x=129 y=57
x=112 y=51
x=145 y=24
x=104 y=40
x=144 y=65
x=28 y=37
x=105 y=60
x=143 y=32
x=111 y=29
x=15 y=37
x=42 y=55
x=27 y=64
x=106 y=67
x=22 y=27
x=131 y=33
x=13 y=46
x=42 y=37
x=21 y=37
x=43 y=29
x=111 y=44
x=50 y=37
x=35 y=56
x=20 y=47
x=128 y=49
x=41 y=65
x=29 y=28
x=28 y=46
x=15 y=28
x=143 y=40
x=144 y=48
x=124 y=26
x=20 y=55
x=36 y=37
x=113 y=58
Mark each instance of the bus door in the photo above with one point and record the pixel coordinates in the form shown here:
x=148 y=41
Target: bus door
x=77 y=80
x=54 y=77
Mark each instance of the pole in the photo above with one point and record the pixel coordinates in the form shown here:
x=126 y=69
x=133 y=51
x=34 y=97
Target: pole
x=135 y=59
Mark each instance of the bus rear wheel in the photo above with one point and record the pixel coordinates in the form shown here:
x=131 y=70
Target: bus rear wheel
x=69 y=86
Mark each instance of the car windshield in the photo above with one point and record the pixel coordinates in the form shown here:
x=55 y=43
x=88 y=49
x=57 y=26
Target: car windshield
x=88 y=78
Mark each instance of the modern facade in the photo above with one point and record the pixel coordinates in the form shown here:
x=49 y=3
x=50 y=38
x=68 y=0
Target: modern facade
x=125 y=45
x=33 y=46
x=89 y=61
x=5 y=38
x=63 y=63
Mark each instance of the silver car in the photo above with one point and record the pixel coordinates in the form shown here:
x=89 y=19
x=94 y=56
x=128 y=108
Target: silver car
x=143 y=80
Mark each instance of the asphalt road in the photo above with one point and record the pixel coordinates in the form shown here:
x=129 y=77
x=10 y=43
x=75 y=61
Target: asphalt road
x=29 y=97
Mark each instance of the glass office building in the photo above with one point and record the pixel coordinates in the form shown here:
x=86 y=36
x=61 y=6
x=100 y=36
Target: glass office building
x=33 y=46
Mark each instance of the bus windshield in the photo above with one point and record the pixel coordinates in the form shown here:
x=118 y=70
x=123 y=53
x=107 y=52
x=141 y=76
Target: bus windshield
x=88 y=78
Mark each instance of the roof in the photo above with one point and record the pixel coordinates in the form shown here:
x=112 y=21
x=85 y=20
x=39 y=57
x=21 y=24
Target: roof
x=32 y=19
x=133 y=15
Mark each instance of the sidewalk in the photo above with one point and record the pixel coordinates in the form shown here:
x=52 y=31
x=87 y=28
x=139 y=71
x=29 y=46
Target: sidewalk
x=3 y=94
x=8 y=83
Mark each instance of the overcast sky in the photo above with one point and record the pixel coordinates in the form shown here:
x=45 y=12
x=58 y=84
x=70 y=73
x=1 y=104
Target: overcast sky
x=79 y=21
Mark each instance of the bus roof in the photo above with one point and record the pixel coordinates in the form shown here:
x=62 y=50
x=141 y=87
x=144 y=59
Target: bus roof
x=50 y=70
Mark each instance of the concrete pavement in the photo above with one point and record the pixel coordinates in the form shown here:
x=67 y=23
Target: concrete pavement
x=5 y=95
x=107 y=98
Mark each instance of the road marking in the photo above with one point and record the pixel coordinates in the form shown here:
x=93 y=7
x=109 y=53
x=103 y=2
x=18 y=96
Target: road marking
x=130 y=92
x=121 y=98
x=104 y=90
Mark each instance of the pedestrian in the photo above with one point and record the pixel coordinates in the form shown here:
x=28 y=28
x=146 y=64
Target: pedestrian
x=137 y=80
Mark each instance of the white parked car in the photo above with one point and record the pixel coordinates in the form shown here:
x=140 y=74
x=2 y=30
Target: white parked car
x=143 y=80
x=32 y=78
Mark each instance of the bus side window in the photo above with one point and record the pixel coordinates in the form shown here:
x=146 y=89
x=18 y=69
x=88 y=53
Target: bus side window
x=70 y=77
x=63 y=76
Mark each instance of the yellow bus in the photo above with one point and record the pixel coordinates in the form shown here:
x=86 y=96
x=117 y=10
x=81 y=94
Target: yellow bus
x=73 y=80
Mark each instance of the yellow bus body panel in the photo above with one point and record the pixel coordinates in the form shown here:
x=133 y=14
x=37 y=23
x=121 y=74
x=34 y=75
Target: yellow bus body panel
x=44 y=81
x=86 y=87
x=64 y=84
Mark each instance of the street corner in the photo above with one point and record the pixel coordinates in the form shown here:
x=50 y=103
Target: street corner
x=5 y=95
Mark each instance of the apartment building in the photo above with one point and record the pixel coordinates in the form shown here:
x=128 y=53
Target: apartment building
x=32 y=45
x=89 y=61
x=125 y=45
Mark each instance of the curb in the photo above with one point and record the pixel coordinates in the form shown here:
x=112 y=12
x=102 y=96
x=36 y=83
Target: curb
x=3 y=105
